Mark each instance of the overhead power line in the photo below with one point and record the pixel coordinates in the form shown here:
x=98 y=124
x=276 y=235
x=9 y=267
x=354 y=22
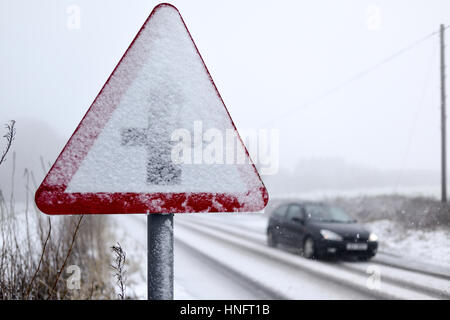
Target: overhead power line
x=419 y=107
x=357 y=76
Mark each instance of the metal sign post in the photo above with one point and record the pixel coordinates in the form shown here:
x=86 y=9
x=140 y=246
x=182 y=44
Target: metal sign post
x=160 y=256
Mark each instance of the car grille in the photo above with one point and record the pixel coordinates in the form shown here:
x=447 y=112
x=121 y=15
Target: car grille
x=353 y=238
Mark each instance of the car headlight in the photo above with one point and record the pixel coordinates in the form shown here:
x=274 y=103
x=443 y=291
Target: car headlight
x=330 y=235
x=373 y=237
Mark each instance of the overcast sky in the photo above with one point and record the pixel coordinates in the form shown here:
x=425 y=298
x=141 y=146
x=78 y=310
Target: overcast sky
x=268 y=60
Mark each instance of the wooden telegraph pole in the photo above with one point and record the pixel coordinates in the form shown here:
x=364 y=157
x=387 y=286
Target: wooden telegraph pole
x=443 y=119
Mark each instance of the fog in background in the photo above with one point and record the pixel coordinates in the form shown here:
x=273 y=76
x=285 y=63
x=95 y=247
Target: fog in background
x=276 y=64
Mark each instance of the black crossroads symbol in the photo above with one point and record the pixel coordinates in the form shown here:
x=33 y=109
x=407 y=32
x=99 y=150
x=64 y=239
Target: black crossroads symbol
x=160 y=168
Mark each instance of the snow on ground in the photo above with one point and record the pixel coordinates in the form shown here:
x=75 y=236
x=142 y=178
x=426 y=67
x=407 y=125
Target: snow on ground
x=200 y=278
x=191 y=273
x=430 y=246
x=193 y=277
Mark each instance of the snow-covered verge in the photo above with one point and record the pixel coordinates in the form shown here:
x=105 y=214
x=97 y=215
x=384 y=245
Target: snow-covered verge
x=429 y=245
x=415 y=227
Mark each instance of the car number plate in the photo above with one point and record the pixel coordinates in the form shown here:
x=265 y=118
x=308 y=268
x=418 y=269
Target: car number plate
x=356 y=246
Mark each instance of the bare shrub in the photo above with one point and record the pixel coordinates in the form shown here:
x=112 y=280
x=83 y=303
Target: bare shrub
x=9 y=136
x=35 y=251
x=119 y=269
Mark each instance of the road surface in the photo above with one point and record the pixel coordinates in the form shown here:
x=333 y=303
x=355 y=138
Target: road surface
x=218 y=256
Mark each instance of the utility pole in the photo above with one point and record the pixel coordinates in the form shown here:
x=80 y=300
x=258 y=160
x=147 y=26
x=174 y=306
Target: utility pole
x=443 y=119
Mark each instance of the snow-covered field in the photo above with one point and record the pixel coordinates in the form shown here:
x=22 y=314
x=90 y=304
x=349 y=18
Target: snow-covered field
x=431 y=246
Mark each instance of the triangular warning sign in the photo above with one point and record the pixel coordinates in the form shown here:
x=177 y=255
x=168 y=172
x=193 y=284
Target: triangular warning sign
x=157 y=139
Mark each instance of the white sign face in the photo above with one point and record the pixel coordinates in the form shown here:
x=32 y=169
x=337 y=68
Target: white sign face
x=159 y=126
x=171 y=91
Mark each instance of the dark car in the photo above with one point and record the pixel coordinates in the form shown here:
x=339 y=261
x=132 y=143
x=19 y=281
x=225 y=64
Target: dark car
x=320 y=230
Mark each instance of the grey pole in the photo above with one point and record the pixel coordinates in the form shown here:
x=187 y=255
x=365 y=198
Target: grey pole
x=443 y=119
x=160 y=256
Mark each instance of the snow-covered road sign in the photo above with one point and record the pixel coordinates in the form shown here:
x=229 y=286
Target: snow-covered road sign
x=124 y=155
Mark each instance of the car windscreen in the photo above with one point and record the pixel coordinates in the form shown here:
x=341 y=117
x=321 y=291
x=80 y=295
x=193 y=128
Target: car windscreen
x=324 y=213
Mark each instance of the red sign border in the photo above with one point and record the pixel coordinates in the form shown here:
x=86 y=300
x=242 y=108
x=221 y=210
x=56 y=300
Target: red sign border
x=54 y=201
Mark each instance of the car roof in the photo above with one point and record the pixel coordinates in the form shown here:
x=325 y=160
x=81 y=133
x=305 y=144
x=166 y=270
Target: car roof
x=301 y=203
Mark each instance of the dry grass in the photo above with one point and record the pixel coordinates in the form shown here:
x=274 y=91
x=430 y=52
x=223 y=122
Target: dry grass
x=410 y=212
x=36 y=251
x=57 y=257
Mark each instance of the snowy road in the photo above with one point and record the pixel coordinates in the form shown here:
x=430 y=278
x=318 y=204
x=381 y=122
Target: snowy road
x=225 y=257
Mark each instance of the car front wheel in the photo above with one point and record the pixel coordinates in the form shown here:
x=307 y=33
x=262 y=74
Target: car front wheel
x=271 y=241
x=309 y=250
